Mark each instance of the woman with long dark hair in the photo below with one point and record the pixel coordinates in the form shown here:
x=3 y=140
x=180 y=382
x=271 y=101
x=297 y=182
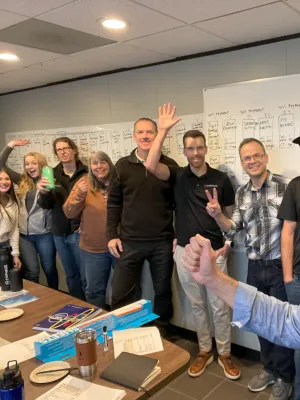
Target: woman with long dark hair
x=88 y=201
x=9 y=231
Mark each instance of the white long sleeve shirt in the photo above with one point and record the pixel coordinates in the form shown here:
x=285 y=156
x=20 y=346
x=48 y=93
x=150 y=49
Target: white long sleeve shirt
x=9 y=230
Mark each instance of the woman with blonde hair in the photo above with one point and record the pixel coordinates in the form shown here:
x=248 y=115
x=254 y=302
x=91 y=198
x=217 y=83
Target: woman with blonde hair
x=36 y=241
x=87 y=200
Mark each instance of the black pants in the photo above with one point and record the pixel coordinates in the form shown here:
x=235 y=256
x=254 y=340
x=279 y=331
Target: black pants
x=126 y=279
x=267 y=277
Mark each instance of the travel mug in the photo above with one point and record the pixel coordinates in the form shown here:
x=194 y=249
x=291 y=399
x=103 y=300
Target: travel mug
x=47 y=172
x=12 y=383
x=6 y=263
x=86 y=352
x=15 y=278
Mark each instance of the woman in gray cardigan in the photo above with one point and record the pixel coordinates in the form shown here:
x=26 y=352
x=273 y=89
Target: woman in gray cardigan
x=36 y=241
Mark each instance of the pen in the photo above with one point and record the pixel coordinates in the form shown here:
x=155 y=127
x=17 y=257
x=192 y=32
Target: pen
x=57 y=370
x=105 y=338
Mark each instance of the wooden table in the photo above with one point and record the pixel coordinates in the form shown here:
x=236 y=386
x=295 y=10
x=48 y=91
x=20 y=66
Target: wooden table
x=173 y=360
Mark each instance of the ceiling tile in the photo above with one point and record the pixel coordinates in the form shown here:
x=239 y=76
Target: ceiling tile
x=27 y=78
x=44 y=35
x=69 y=66
x=8 y=19
x=120 y=55
x=28 y=56
x=83 y=15
x=191 y=11
x=260 y=23
x=31 y=8
x=181 y=41
x=293 y=3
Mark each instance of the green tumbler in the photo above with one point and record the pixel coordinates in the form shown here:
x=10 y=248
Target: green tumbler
x=47 y=172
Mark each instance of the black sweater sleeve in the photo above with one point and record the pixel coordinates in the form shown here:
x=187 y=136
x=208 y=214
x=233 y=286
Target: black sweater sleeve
x=114 y=208
x=46 y=200
x=14 y=176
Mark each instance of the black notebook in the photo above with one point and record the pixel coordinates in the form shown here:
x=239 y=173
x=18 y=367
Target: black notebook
x=131 y=370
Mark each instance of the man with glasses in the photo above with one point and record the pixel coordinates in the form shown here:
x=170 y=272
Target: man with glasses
x=189 y=184
x=256 y=208
x=65 y=231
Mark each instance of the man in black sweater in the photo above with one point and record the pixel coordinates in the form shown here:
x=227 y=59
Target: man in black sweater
x=140 y=225
x=65 y=231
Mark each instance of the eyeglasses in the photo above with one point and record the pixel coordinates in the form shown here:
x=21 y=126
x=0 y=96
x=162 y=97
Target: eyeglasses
x=63 y=149
x=256 y=157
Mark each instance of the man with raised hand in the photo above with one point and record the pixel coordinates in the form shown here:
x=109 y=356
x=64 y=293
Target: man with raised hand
x=256 y=208
x=140 y=225
x=189 y=185
x=253 y=311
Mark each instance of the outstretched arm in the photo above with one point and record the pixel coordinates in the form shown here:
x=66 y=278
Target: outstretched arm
x=166 y=121
x=253 y=311
x=14 y=175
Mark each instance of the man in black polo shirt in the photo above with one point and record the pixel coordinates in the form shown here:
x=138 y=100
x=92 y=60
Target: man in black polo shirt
x=289 y=212
x=140 y=225
x=190 y=184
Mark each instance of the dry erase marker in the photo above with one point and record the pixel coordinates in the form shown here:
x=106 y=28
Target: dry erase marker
x=105 y=338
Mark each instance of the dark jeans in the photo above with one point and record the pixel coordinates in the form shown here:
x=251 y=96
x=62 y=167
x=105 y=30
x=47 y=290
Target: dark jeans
x=293 y=295
x=36 y=250
x=267 y=277
x=128 y=269
x=97 y=267
x=4 y=245
x=67 y=247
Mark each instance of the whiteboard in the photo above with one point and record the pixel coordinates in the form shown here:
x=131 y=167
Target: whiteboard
x=266 y=109
x=114 y=139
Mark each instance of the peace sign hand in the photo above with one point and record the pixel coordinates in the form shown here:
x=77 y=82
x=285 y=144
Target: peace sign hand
x=213 y=206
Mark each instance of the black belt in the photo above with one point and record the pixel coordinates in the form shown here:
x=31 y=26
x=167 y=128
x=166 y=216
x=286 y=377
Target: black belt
x=276 y=261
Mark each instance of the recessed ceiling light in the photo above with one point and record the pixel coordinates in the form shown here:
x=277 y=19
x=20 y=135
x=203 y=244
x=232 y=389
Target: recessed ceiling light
x=113 y=24
x=8 y=57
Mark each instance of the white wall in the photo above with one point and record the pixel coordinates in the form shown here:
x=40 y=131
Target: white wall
x=129 y=95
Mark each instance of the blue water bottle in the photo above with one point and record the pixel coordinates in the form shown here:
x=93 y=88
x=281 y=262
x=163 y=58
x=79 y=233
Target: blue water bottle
x=12 y=383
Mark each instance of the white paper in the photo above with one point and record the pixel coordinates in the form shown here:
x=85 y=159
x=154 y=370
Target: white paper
x=76 y=389
x=137 y=341
x=21 y=350
x=3 y=342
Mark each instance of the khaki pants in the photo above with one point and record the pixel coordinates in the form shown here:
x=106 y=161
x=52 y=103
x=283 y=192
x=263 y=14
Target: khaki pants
x=201 y=298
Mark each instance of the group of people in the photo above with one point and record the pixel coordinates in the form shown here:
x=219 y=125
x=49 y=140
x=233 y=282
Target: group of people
x=102 y=216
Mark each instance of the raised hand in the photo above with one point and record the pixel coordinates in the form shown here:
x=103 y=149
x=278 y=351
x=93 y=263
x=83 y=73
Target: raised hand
x=83 y=186
x=42 y=185
x=21 y=142
x=213 y=206
x=166 y=114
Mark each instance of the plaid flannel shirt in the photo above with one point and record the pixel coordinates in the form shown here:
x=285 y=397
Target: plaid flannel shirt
x=256 y=212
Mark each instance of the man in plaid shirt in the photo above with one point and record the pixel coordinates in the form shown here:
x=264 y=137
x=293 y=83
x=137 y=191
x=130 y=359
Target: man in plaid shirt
x=256 y=208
